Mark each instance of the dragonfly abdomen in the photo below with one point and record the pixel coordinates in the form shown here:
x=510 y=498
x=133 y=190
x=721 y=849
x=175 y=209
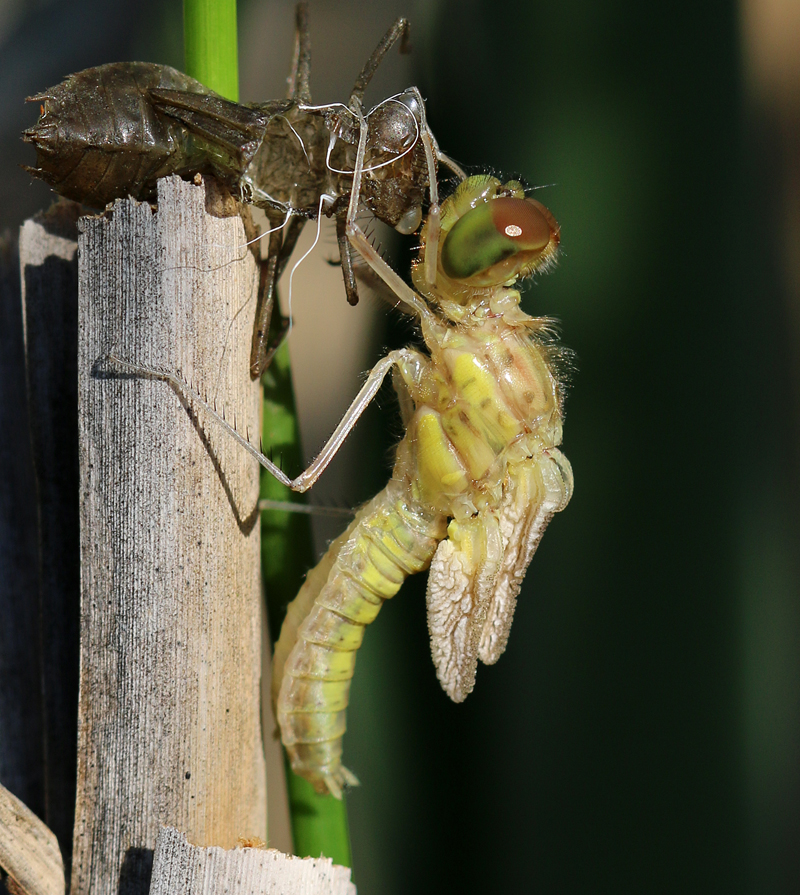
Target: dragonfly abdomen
x=100 y=138
x=389 y=540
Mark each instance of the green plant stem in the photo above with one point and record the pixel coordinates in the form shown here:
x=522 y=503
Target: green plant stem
x=209 y=45
x=287 y=551
x=319 y=823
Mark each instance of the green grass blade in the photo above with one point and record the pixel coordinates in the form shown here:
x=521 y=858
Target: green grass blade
x=209 y=44
x=319 y=823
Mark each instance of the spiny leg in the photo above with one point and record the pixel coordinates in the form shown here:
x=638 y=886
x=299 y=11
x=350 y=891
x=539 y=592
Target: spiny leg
x=398 y=30
x=348 y=274
x=307 y=478
x=281 y=245
x=278 y=333
x=434 y=214
x=361 y=244
x=432 y=154
x=290 y=237
x=265 y=302
x=282 y=241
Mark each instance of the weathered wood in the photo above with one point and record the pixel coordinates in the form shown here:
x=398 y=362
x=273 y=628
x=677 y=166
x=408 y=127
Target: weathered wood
x=169 y=726
x=49 y=277
x=184 y=869
x=29 y=851
x=21 y=756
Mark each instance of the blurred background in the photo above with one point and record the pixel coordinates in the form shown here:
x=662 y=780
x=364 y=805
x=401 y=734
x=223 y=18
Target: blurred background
x=642 y=731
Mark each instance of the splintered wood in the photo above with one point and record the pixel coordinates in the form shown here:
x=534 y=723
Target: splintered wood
x=29 y=852
x=183 y=869
x=169 y=727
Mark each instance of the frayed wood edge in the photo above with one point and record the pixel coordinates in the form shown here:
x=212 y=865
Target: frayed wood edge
x=179 y=867
x=29 y=852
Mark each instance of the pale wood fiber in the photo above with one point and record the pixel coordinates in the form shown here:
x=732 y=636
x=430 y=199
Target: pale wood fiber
x=184 y=869
x=29 y=851
x=169 y=724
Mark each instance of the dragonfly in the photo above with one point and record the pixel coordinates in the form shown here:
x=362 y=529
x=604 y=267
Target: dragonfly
x=112 y=131
x=477 y=477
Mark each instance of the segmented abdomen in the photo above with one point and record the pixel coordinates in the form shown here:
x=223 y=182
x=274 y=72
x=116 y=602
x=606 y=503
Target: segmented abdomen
x=389 y=540
x=100 y=138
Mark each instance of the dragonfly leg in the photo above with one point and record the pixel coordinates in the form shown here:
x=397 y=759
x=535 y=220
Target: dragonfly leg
x=434 y=217
x=434 y=214
x=361 y=244
x=348 y=274
x=293 y=230
x=300 y=74
x=265 y=303
x=445 y=160
x=278 y=332
x=267 y=339
x=398 y=30
x=307 y=478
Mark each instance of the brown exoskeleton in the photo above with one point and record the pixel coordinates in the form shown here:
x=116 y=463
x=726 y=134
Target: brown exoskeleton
x=112 y=131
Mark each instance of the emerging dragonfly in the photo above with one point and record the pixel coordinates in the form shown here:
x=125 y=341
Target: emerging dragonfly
x=476 y=480
x=112 y=131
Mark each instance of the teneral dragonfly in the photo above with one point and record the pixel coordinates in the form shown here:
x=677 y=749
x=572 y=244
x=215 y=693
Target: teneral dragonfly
x=112 y=131
x=477 y=476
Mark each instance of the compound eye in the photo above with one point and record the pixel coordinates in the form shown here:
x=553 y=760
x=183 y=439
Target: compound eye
x=495 y=240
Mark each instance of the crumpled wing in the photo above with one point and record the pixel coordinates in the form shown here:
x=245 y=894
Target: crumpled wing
x=230 y=133
x=537 y=489
x=460 y=587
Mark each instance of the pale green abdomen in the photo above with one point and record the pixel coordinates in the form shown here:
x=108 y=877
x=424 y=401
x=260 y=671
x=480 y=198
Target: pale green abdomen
x=388 y=541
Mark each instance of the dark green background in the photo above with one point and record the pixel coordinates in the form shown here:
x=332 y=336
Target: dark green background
x=641 y=732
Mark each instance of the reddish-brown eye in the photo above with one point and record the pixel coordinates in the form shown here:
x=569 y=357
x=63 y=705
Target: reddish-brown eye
x=496 y=239
x=521 y=222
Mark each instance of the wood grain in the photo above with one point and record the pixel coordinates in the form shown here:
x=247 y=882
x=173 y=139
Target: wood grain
x=184 y=869
x=169 y=726
x=29 y=851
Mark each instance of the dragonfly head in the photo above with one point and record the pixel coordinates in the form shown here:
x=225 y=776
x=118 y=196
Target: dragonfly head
x=491 y=236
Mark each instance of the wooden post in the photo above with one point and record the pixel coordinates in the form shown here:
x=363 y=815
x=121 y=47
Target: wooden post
x=184 y=869
x=169 y=729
